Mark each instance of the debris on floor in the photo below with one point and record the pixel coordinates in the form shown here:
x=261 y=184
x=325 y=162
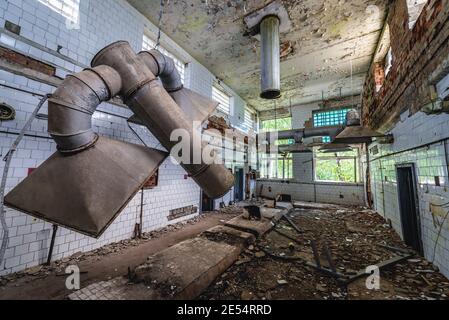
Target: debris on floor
x=284 y=265
x=58 y=267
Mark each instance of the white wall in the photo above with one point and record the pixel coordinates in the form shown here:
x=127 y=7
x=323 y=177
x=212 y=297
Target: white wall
x=411 y=135
x=102 y=22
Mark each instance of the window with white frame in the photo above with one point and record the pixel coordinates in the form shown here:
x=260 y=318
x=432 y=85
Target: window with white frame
x=342 y=167
x=249 y=120
x=69 y=9
x=276 y=166
x=223 y=99
x=149 y=44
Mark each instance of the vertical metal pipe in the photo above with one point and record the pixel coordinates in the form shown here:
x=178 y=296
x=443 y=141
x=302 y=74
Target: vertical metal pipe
x=52 y=244
x=271 y=58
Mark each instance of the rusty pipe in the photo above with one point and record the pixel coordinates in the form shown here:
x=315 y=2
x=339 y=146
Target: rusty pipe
x=160 y=113
x=299 y=134
x=72 y=105
x=197 y=107
x=163 y=67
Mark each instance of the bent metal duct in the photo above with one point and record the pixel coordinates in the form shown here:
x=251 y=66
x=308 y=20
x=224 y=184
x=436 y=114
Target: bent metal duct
x=90 y=179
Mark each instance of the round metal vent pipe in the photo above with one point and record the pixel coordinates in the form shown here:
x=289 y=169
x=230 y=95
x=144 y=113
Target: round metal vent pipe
x=160 y=113
x=271 y=58
x=164 y=68
x=72 y=105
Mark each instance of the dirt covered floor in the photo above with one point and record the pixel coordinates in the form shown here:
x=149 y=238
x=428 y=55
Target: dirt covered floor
x=105 y=263
x=282 y=264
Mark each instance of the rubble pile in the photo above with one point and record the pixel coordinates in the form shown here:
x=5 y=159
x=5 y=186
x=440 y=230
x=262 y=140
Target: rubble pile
x=282 y=264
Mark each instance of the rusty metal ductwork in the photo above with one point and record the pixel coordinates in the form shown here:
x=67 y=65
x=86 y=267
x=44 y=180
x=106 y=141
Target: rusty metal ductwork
x=160 y=113
x=299 y=134
x=164 y=68
x=90 y=179
x=195 y=106
x=72 y=105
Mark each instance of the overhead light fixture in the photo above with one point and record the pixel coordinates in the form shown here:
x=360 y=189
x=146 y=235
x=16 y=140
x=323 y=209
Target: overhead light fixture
x=294 y=148
x=335 y=147
x=354 y=132
x=357 y=134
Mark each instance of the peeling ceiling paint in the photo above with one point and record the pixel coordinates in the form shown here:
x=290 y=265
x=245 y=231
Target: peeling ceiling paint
x=331 y=40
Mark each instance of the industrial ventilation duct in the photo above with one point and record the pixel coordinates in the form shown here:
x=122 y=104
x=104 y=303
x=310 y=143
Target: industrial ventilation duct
x=271 y=58
x=90 y=179
x=352 y=133
x=266 y=25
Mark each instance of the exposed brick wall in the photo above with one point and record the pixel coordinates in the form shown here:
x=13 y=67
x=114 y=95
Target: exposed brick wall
x=26 y=62
x=419 y=59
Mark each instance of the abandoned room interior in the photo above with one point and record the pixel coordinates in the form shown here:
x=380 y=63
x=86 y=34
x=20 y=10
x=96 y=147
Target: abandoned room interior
x=224 y=150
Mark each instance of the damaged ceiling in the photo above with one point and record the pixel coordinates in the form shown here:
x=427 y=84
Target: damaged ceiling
x=329 y=40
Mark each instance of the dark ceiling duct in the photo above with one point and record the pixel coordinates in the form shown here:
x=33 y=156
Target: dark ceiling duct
x=294 y=148
x=357 y=134
x=159 y=112
x=271 y=58
x=299 y=134
x=335 y=147
x=90 y=179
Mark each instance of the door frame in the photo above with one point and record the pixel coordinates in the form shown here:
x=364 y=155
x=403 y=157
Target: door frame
x=242 y=186
x=414 y=186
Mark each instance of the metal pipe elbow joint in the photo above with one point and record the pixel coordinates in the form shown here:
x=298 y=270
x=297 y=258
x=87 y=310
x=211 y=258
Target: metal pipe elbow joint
x=72 y=105
x=164 y=68
x=159 y=112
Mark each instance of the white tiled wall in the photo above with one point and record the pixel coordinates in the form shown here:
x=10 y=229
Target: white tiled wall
x=303 y=187
x=343 y=193
x=43 y=30
x=411 y=135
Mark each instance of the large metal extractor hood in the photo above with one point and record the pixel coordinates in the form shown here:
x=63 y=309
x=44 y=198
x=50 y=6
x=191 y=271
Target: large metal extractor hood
x=90 y=179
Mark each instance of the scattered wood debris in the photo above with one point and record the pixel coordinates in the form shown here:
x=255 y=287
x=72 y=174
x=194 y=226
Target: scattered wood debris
x=282 y=265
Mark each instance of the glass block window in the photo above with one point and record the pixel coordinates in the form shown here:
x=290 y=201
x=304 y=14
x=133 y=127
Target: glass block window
x=69 y=9
x=223 y=98
x=149 y=44
x=329 y=118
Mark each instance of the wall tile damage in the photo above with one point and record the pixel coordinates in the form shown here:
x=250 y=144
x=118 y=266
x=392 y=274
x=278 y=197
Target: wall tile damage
x=419 y=62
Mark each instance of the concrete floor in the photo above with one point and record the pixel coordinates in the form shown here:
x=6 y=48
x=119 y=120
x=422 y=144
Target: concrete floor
x=45 y=286
x=353 y=235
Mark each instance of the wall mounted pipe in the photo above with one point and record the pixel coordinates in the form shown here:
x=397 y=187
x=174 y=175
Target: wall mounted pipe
x=271 y=58
x=72 y=105
x=160 y=113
